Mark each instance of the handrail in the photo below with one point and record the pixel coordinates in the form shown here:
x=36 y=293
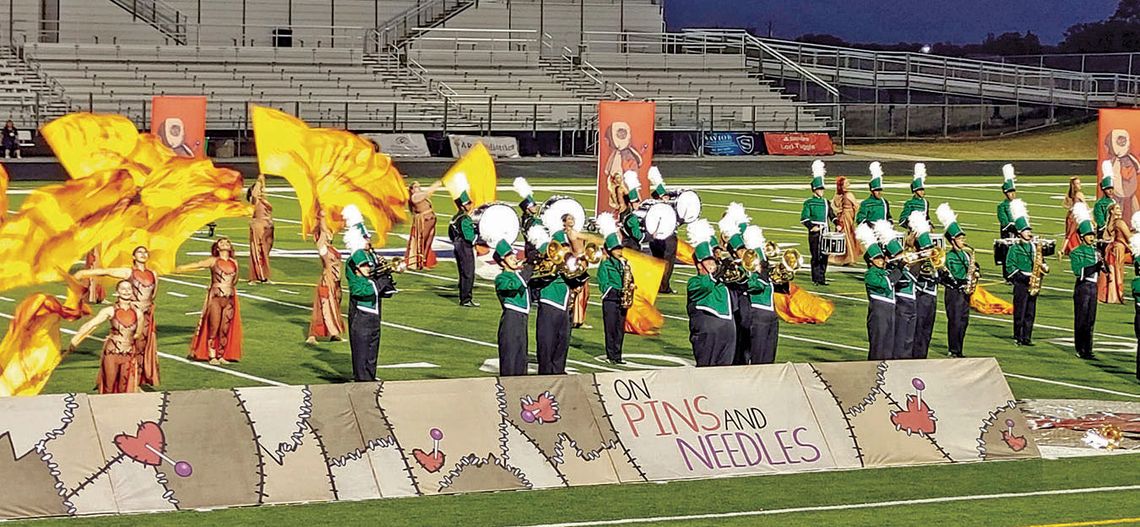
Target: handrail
x=401 y=25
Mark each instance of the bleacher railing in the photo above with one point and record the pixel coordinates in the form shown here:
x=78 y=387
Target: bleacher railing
x=400 y=27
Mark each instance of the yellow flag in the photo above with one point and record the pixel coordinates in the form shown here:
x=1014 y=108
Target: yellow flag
x=988 y=303
x=30 y=351
x=684 y=252
x=479 y=168
x=3 y=194
x=643 y=317
x=801 y=307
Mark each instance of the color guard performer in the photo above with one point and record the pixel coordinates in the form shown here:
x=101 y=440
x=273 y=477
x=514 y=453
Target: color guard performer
x=1105 y=203
x=1005 y=218
x=326 y=320
x=569 y=236
x=903 y=281
x=1019 y=268
x=419 y=254
x=366 y=291
x=925 y=287
x=960 y=278
x=1087 y=264
x=732 y=226
x=552 y=329
x=260 y=232
x=461 y=231
x=515 y=300
x=918 y=202
x=881 y=296
x=815 y=216
x=764 y=325
x=875 y=207
x=632 y=231
x=712 y=332
x=664 y=249
x=118 y=364
x=612 y=274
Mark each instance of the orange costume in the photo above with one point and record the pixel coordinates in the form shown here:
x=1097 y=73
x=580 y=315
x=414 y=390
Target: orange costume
x=119 y=367
x=219 y=329
x=145 y=285
x=93 y=290
x=326 y=320
x=845 y=206
x=581 y=295
x=260 y=234
x=1075 y=195
x=419 y=255
x=1110 y=284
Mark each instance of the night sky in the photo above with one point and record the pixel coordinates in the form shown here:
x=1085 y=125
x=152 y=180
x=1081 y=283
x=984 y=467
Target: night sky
x=890 y=21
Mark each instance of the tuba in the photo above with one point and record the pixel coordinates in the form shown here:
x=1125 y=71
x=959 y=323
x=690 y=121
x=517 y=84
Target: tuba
x=784 y=265
x=1040 y=269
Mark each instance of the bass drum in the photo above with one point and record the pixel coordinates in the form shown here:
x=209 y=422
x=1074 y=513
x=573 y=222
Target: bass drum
x=556 y=207
x=687 y=203
x=659 y=219
x=495 y=221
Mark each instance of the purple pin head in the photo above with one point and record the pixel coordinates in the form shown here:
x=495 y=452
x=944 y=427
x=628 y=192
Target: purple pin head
x=918 y=384
x=1009 y=423
x=183 y=469
x=527 y=416
x=436 y=434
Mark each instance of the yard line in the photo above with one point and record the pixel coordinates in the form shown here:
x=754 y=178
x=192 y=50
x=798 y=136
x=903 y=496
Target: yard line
x=850 y=506
x=1118 y=521
x=176 y=295
x=1069 y=385
x=6 y=299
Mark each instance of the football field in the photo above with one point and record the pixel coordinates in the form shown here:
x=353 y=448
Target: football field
x=427 y=336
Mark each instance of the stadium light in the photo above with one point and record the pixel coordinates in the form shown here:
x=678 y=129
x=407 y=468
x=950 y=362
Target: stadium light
x=926 y=48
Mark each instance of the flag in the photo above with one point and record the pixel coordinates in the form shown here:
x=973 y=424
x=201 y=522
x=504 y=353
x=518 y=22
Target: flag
x=3 y=194
x=479 y=167
x=30 y=351
x=87 y=144
x=987 y=303
x=328 y=170
x=684 y=252
x=643 y=317
x=799 y=306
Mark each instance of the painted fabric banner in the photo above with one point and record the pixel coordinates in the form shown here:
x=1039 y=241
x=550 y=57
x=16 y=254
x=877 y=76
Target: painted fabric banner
x=180 y=122
x=625 y=142
x=1115 y=128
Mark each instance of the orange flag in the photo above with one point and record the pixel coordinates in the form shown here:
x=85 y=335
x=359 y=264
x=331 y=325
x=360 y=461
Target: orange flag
x=643 y=317
x=684 y=252
x=987 y=303
x=30 y=351
x=479 y=168
x=330 y=169
x=801 y=307
x=3 y=194
x=87 y=143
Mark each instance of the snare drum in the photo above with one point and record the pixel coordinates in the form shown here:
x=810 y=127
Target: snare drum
x=938 y=240
x=687 y=203
x=833 y=243
x=556 y=207
x=659 y=219
x=1001 y=248
x=495 y=221
x=1048 y=247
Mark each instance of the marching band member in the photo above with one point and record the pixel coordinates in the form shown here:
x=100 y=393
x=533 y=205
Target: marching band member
x=552 y=330
x=815 y=215
x=515 y=299
x=918 y=202
x=764 y=325
x=881 y=296
x=664 y=249
x=732 y=226
x=611 y=281
x=875 y=207
x=366 y=291
x=1102 y=205
x=1134 y=244
x=118 y=363
x=712 y=332
x=903 y=281
x=1086 y=264
x=530 y=218
x=632 y=232
x=461 y=231
x=1116 y=235
x=1018 y=270
x=1009 y=188
x=925 y=288
x=960 y=267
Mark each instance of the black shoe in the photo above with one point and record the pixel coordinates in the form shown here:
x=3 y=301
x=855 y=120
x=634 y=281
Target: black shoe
x=469 y=303
x=1027 y=342
x=955 y=355
x=667 y=291
x=1087 y=356
x=616 y=361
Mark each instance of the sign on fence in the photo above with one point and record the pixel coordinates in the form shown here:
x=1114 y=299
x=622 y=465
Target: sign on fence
x=731 y=144
x=799 y=144
x=401 y=145
x=498 y=146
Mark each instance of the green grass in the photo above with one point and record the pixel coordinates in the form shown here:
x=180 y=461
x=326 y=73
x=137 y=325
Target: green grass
x=1073 y=142
x=275 y=329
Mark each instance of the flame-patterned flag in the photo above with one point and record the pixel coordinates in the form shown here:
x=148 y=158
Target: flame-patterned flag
x=3 y=195
x=87 y=143
x=30 y=351
x=330 y=169
x=479 y=168
x=988 y=303
x=685 y=252
x=799 y=306
x=643 y=317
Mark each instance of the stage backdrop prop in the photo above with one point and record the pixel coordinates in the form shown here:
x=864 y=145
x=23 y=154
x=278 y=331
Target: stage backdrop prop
x=625 y=142
x=1114 y=131
x=180 y=121
x=76 y=454
x=798 y=144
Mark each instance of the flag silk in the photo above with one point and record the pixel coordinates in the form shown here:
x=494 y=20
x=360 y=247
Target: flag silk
x=987 y=303
x=87 y=143
x=3 y=194
x=685 y=252
x=799 y=306
x=643 y=317
x=30 y=351
x=330 y=169
x=479 y=168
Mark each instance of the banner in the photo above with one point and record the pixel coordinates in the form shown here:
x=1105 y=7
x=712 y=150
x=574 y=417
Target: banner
x=498 y=146
x=625 y=142
x=799 y=144
x=401 y=145
x=1114 y=132
x=731 y=144
x=180 y=121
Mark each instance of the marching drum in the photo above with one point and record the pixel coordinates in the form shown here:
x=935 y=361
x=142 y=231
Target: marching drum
x=938 y=240
x=1001 y=248
x=833 y=243
x=1048 y=247
x=659 y=219
x=687 y=203
x=495 y=221
x=556 y=207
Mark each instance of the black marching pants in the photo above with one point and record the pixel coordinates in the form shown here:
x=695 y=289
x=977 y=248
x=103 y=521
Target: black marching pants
x=713 y=339
x=364 y=341
x=1084 y=316
x=880 y=329
x=765 y=332
x=613 y=321
x=741 y=317
x=553 y=336
x=512 y=343
x=1024 y=309
x=906 y=312
x=957 y=319
x=465 y=260
x=926 y=307
x=818 y=259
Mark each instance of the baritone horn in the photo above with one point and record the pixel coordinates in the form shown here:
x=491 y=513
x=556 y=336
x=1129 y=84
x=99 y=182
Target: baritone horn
x=784 y=265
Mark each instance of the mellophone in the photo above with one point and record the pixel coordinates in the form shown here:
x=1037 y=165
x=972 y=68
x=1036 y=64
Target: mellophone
x=1002 y=245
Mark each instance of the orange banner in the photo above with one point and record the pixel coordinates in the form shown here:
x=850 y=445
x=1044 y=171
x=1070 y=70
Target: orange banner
x=1114 y=143
x=180 y=121
x=625 y=143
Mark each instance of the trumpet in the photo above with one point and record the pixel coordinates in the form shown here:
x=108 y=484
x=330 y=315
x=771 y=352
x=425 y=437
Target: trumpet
x=387 y=266
x=934 y=257
x=785 y=264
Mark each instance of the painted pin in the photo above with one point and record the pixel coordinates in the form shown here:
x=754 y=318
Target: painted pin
x=436 y=435
x=919 y=386
x=182 y=468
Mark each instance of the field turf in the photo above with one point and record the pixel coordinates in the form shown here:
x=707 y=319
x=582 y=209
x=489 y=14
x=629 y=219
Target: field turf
x=423 y=324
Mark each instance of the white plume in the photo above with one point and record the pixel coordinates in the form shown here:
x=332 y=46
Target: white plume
x=920 y=171
x=700 y=231
x=655 y=177
x=735 y=215
x=352 y=215
x=753 y=237
x=538 y=236
x=866 y=235
x=876 y=169
x=1017 y=209
x=1008 y=172
x=631 y=179
x=918 y=222
x=606 y=223
x=459 y=181
x=1081 y=212
x=1136 y=222
x=945 y=214
x=884 y=231
x=818 y=168
x=1106 y=169
x=522 y=188
x=1134 y=242
x=354 y=240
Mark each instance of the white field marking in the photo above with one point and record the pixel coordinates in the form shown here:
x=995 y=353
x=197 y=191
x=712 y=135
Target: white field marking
x=193 y=313
x=6 y=299
x=407 y=365
x=1069 y=385
x=190 y=362
x=850 y=506
x=288 y=292
x=976 y=200
x=176 y=295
